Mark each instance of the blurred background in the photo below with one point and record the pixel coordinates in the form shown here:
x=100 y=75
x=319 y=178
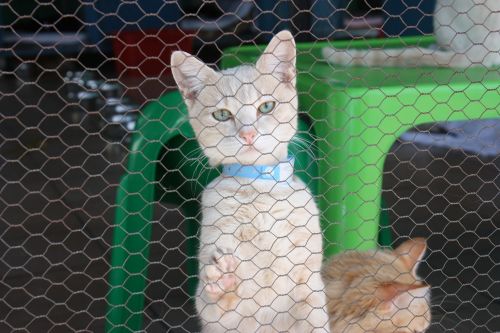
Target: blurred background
x=75 y=75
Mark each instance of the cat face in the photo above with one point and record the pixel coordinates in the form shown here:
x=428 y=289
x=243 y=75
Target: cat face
x=378 y=291
x=246 y=114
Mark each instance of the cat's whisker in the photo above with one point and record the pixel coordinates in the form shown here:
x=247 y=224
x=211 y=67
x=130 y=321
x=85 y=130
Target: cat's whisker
x=193 y=153
x=198 y=163
x=299 y=140
x=304 y=146
x=188 y=159
x=190 y=156
x=200 y=166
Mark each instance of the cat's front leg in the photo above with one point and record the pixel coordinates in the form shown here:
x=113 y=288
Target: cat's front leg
x=218 y=276
x=310 y=307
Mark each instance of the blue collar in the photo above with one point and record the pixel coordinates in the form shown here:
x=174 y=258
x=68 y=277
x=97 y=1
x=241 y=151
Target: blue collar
x=280 y=172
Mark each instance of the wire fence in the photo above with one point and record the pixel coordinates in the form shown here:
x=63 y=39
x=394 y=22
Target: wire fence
x=368 y=133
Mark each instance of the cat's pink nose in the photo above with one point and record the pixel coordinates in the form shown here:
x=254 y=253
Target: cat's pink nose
x=248 y=136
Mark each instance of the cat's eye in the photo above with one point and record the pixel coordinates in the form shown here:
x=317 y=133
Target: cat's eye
x=266 y=107
x=222 y=115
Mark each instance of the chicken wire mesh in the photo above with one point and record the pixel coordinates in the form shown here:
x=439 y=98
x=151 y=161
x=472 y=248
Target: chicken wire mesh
x=101 y=177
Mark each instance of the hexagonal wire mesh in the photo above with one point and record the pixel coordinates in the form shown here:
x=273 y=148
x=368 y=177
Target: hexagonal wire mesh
x=101 y=174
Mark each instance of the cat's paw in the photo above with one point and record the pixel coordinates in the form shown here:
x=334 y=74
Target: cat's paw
x=219 y=275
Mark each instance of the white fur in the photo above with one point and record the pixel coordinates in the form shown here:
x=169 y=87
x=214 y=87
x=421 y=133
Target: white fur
x=260 y=243
x=467 y=33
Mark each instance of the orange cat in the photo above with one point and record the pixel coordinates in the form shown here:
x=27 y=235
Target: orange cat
x=378 y=291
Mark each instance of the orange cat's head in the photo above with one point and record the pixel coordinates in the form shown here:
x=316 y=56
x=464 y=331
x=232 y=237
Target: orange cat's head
x=378 y=291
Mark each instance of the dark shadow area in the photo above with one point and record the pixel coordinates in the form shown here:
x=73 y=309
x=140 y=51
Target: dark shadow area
x=451 y=197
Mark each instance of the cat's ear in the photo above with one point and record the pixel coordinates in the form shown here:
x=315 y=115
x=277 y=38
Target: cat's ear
x=395 y=296
x=190 y=74
x=279 y=58
x=411 y=253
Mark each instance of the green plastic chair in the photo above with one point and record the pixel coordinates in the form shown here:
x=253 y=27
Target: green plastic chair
x=163 y=132
x=356 y=113
x=359 y=112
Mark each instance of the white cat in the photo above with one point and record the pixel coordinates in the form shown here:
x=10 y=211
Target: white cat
x=467 y=34
x=260 y=244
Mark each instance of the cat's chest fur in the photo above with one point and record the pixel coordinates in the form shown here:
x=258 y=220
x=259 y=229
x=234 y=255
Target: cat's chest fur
x=272 y=226
x=250 y=209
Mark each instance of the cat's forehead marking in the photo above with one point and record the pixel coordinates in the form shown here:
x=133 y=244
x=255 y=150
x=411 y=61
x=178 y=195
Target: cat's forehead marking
x=241 y=74
x=240 y=84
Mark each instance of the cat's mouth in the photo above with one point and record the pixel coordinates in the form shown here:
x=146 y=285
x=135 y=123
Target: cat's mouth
x=248 y=148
